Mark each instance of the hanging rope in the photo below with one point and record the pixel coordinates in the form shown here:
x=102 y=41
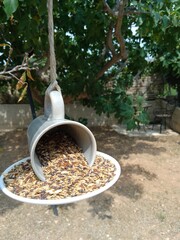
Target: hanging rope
x=53 y=74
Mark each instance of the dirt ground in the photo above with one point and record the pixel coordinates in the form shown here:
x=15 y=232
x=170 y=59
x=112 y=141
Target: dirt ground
x=144 y=204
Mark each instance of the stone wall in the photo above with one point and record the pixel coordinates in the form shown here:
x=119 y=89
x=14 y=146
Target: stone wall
x=13 y=116
x=148 y=86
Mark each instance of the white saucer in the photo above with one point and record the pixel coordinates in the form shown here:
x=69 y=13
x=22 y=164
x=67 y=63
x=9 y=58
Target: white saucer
x=64 y=200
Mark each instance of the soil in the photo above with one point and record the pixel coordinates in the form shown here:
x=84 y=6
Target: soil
x=144 y=204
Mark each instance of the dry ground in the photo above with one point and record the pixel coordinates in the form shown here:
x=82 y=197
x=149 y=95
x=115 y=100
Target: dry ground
x=144 y=203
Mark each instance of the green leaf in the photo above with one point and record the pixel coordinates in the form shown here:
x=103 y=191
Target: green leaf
x=130 y=124
x=156 y=18
x=165 y=21
x=168 y=11
x=161 y=5
x=126 y=110
x=10 y=6
x=140 y=21
x=139 y=100
x=142 y=53
x=143 y=118
x=175 y=21
x=162 y=58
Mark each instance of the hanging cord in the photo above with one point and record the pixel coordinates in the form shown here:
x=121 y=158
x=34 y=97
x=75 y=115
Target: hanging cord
x=53 y=74
x=52 y=58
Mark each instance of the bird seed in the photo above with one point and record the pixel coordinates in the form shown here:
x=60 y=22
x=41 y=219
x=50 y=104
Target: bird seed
x=65 y=168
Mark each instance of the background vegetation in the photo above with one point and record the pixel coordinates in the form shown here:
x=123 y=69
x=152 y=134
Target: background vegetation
x=101 y=46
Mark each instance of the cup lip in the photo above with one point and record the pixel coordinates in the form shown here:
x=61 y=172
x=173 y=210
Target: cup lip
x=56 y=123
x=64 y=200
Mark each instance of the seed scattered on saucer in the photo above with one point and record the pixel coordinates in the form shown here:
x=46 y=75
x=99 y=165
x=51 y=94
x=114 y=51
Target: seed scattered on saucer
x=65 y=168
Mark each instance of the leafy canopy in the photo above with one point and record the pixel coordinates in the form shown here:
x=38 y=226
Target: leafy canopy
x=100 y=47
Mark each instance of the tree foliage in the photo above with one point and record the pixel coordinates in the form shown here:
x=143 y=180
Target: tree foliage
x=100 y=47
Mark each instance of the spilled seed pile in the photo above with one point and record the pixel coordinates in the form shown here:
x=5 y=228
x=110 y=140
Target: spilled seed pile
x=65 y=168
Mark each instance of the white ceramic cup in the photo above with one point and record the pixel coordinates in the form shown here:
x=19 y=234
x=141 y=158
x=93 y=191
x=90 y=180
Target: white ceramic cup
x=54 y=118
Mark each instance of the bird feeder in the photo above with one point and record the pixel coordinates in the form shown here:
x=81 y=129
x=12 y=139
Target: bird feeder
x=54 y=118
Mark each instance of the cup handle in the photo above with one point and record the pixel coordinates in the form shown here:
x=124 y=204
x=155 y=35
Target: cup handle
x=54 y=103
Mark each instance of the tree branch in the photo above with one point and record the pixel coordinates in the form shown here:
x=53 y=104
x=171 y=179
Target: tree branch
x=110 y=41
x=118 y=32
x=5 y=78
x=120 y=5
x=126 y=13
x=70 y=99
x=16 y=69
x=9 y=56
x=114 y=60
x=108 y=9
x=114 y=12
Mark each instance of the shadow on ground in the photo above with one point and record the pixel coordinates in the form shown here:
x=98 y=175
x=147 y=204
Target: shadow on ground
x=129 y=187
x=101 y=206
x=7 y=204
x=121 y=146
x=13 y=146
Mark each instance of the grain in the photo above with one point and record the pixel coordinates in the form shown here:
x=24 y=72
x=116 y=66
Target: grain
x=65 y=168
